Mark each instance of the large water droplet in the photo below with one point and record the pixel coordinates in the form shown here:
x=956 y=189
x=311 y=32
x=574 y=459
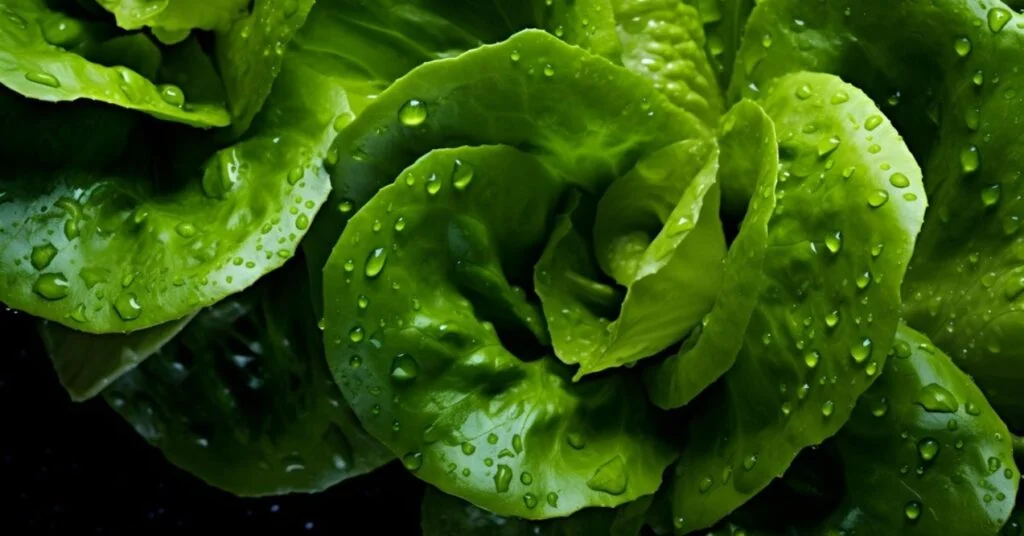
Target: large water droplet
x=413 y=113
x=997 y=19
x=962 y=46
x=462 y=175
x=834 y=242
x=530 y=500
x=828 y=408
x=62 y=31
x=937 y=399
x=375 y=262
x=862 y=351
x=127 y=306
x=811 y=359
x=970 y=161
x=990 y=195
x=43 y=255
x=610 y=478
x=413 y=461
x=502 y=478
x=173 y=95
x=878 y=198
x=404 y=368
x=42 y=78
x=53 y=286
x=928 y=449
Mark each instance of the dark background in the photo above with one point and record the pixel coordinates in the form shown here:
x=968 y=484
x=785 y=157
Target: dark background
x=68 y=468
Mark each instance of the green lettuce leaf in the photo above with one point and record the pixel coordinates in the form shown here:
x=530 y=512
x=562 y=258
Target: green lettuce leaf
x=103 y=243
x=749 y=160
x=443 y=515
x=172 y=20
x=48 y=55
x=924 y=452
x=243 y=399
x=86 y=363
x=436 y=347
x=725 y=23
x=842 y=233
x=657 y=233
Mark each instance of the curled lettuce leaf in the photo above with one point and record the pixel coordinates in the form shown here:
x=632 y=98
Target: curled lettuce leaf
x=86 y=363
x=657 y=233
x=748 y=136
x=839 y=240
x=48 y=55
x=430 y=339
x=102 y=244
x=243 y=399
x=174 y=19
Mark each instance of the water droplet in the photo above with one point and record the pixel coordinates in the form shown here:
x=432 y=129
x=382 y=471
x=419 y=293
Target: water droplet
x=399 y=224
x=862 y=351
x=492 y=439
x=43 y=255
x=462 y=175
x=517 y=443
x=345 y=207
x=994 y=464
x=549 y=71
x=413 y=461
x=834 y=242
x=515 y=56
x=878 y=198
x=355 y=361
x=552 y=499
x=433 y=184
x=828 y=145
x=828 y=408
x=912 y=510
x=705 y=484
x=413 y=113
x=880 y=408
x=937 y=399
x=530 y=500
x=804 y=92
x=62 y=31
x=972 y=409
x=127 y=306
x=750 y=462
x=42 y=78
x=375 y=262
x=997 y=19
x=526 y=478
x=840 y=97
x=610 y=478
x=404 y=368
x=871 y=369
x=962 y=46
x=576 y=440
x=990 y=195
x=811 y=359
x=173 y=95
x=356 y=334
x=899 y=180
x=873 y=122
x=502 y=478
x=972 y=118
x=832 y=319
x=970 y=159
x=863 y=280
x=52 y=286
x=928 y=449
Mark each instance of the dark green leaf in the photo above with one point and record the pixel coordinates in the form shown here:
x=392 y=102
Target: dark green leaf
x=244 y=401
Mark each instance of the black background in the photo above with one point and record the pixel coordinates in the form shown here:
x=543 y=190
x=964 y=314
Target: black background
x=68 y=468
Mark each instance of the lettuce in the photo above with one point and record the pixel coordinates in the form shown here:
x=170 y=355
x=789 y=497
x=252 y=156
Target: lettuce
x=581 y=266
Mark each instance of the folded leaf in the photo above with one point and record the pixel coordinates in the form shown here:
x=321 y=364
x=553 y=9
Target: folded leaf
x=430 y=339
x=446 y=102
x=242 y=398
x=86 y=363
x=839 y=241
x=176 y=18
x=749 y=157
x=41 y=58
x=657 y=233
x=725 y=23
x=443 y=515
x=924 y=452
x=99 y=243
